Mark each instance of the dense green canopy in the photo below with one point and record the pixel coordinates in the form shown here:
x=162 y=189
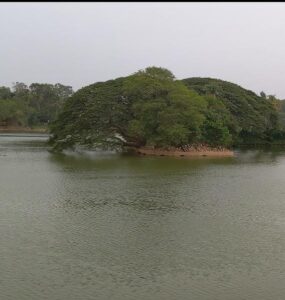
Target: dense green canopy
x=152 y=108
x=147 y=108
x=252 y=117
x=35 y=105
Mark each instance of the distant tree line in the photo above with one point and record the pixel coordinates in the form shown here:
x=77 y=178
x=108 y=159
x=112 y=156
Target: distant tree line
x=34 y=105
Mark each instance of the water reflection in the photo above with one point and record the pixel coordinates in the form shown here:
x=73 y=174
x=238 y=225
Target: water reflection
x=152 y=184
x=107 y=226
x=135 y=163
x=254 y=156
x=140 y=183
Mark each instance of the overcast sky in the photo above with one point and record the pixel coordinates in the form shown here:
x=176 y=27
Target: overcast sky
x=82 y=43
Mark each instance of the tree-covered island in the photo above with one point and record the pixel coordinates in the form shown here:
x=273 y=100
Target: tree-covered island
x=152 y=110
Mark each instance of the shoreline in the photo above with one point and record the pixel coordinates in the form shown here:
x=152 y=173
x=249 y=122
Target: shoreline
x=189 y=153
x=22 y=130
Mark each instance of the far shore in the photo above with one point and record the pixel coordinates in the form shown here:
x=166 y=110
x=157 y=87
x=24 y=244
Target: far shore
x=189 y=153
x=17 y=129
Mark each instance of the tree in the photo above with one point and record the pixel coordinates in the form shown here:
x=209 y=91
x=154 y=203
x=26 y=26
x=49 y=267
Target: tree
x=13 y=112
x=97 y=114
x=47 y=100
x=165 y=112
x=218 y=122
x=146 y=108
x=63 y=91
x=5 y=93
x=252 y=117
x=39 y=103
x=20 y=89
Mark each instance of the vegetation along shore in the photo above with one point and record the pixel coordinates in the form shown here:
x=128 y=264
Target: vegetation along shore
x=149 y=111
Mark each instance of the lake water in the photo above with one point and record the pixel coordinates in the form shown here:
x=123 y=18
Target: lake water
x=109 y=226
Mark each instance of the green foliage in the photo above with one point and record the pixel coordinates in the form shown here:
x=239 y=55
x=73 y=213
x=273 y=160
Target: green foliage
x=37 y=104
x=252 y=116
x=146 y=108
x=47 y=99
x=152 y=108
x=20 y=89
x=216 y=128
x=279 y=132
x=156 y=73
x=95 y=114
x=13 y=112
x=5 y=92
x=163 y=107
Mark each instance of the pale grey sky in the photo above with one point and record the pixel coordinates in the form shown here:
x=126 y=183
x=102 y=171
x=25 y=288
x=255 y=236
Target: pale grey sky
x=82 y=43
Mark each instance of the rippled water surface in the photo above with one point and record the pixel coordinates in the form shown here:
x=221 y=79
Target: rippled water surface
x=106 y=226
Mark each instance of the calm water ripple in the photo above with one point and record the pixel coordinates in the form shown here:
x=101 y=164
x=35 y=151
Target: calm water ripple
x=108 y=226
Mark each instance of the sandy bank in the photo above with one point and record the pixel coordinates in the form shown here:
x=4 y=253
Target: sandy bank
x=188 y=153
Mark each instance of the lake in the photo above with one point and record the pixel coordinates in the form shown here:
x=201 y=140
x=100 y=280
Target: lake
x=109 y=226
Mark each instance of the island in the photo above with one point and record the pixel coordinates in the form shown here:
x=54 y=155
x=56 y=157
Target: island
x=153 y=113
